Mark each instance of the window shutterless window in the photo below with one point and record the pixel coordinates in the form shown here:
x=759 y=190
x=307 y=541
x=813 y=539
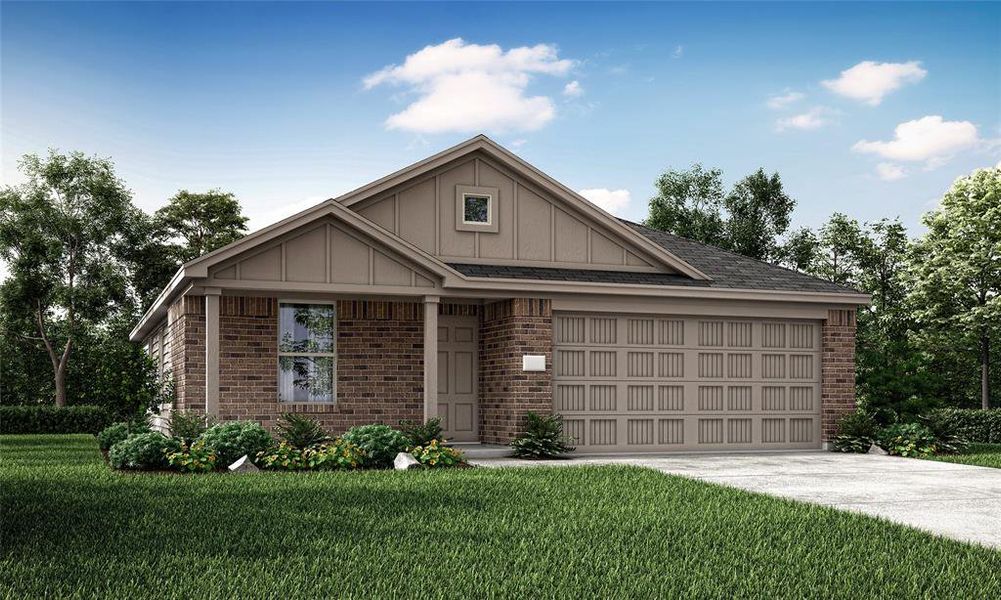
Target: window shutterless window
x=307 y=346
x=475 y=209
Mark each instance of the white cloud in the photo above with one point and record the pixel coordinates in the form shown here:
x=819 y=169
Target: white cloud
x=518 y=143
x=929 y=139
x=869 y=81
x=573 y=89
x=679 y=51
x=780 y=101
x=468 y=87
x=815 y=118
x=612 y=201
x=890 y=171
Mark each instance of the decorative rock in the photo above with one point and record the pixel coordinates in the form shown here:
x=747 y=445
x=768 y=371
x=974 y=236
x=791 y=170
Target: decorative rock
x=874 y=449
x=404 y=461
x=243 y=465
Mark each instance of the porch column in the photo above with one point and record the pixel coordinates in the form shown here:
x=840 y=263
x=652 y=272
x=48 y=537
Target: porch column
x=431 y=357
x=212 y=351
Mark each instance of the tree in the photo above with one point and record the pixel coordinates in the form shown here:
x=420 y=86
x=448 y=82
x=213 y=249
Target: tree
x=838 y=251
x=66 y=237
x=201 y=222
x=800 y=250
x=956 y=267
x=690 y=204
x=759 y=212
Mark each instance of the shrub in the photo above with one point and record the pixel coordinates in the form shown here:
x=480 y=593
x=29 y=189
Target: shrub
x=194 y=459
x=543 y=438
x=976 y=425
x=907 y=439
x=300 y=431
x=434 y=454
x=230 y=441
x=116 y=432
x=334 y=455
x=188 y=425
x=143 y=451
x=381 y=444
x=53 y=419
x=949 y=436
x=422 y=434
x=856 y=432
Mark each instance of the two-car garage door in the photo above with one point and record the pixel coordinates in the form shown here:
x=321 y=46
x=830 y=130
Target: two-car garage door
x=668 y=383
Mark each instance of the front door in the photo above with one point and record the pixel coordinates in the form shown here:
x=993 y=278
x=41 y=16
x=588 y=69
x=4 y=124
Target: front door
x=457 y=382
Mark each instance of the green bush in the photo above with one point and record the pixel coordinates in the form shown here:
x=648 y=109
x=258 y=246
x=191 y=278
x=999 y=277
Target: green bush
x=949 y=436
x=230 y=441
x=188 y=425
x=857 y=432
x=381 y=444
x=116 y=432
x=434 y=454
x=334 y=455
x=53 y=419
x=542 y=438
x=975 y=425
x=907 y=439
x=300 y=431
x=422 y=434
x=193 y=459
x=143 y=451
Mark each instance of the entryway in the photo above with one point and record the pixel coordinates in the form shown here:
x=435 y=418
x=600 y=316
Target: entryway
x=458 y=404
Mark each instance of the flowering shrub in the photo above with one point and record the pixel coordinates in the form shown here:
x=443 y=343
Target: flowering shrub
x=194 y=459
x=334 y=455
x=908 y=439
x=435 y=454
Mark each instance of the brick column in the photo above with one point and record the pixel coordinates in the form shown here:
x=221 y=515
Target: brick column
x=510 y=329
x=187 y=355
x=837 y=388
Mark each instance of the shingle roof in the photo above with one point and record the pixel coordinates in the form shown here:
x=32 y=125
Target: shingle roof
x=727 y=270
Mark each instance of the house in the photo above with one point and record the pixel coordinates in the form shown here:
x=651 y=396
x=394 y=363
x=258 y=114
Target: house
x=474 y=287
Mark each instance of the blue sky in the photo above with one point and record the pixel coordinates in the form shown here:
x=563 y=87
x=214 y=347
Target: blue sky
x=286 y=104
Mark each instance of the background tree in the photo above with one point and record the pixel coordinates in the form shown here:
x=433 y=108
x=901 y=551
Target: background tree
x=65 y=235
x=956 y=269
x=196 y=224
x=759 y=213
x=689 y=203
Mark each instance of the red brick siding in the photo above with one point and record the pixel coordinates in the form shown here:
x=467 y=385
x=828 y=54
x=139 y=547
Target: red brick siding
x=508 y=330
x=838 y=369
x=186 y=329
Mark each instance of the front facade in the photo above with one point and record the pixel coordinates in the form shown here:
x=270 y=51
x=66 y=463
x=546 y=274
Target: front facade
x=473 y=287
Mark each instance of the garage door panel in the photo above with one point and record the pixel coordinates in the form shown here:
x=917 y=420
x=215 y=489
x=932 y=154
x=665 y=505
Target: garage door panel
x=641 y=383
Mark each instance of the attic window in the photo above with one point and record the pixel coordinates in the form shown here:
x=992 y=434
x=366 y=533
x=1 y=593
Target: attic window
x=476 y=209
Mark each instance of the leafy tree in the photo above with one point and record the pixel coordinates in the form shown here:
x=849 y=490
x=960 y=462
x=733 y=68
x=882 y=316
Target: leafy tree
x=799 y=250
x=838 y=253
x=201 y=222
x=66 y=235
x=956 y=268
x=759 y=212
x=690 y=204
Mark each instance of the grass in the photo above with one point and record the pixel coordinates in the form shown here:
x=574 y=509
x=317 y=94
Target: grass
x=984 y=455
x=73 y=528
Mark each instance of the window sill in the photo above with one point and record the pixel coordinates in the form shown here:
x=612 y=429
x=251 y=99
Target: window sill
x=309 y=407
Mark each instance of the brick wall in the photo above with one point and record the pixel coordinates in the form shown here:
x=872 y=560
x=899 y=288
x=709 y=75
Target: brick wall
x=838 y=369
x=508 y=330
x=186 y=331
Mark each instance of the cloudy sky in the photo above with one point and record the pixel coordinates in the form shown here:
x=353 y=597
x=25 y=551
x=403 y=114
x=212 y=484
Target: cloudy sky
x=872 y=110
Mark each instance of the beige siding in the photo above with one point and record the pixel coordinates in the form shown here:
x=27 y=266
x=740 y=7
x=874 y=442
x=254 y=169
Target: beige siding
x=324 y=253
x=533 y=227
x=662 y=383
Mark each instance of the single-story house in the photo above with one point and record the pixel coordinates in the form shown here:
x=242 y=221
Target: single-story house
x=474 y=287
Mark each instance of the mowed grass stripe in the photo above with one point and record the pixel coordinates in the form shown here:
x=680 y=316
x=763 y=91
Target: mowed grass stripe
x=73 y=528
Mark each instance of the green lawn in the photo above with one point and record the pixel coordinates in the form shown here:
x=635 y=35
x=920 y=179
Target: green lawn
x=984 y=455
x=71 y=527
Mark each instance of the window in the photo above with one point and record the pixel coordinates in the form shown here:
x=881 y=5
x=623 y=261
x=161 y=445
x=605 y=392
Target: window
x=306 y=352
x=476 y=209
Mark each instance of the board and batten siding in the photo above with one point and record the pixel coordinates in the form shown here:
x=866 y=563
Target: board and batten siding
x=534 y=229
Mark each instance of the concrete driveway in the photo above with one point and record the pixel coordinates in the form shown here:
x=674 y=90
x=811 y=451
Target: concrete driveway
x=956 y=501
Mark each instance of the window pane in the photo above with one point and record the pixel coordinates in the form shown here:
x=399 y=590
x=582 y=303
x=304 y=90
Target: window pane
x=306 y=328
x=477 y=209
x=306 y=379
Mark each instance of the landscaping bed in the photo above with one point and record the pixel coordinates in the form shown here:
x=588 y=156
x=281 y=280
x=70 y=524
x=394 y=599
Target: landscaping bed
x=73 y=527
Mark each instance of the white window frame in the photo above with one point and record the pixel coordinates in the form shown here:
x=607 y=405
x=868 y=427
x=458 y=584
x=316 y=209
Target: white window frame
x=492 y=195
x=332 y=355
